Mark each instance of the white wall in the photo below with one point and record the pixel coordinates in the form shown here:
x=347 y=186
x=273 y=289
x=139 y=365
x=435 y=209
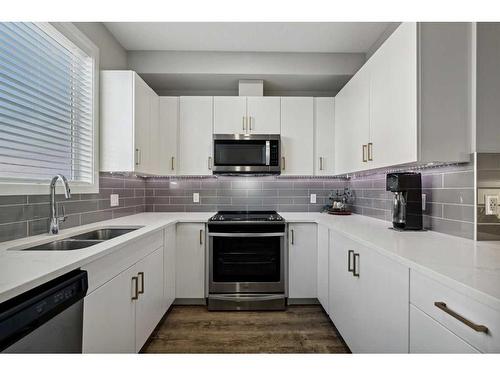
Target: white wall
x=112 y=54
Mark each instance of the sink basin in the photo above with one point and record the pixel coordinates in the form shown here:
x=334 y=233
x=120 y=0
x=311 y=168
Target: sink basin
x=63 y=245
x=103 y=234
x=81 y=241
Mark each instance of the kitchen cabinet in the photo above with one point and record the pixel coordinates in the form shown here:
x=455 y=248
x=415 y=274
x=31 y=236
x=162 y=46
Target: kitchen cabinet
x=323 y=267
x=195 y=135
x=302 y=260
x=369 y=297
x=246 y=115
x=150 y=305
x=428 y=336
x=324 y=127
x=412 y=94
x=129 y=124
x=120 y=315
x=169 y=266
x=264 y=114
x=297 y=136
x=169 y=134
x=190 y=261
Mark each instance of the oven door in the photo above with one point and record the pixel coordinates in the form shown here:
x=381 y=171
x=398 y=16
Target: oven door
x=246 y=262
x=246 y=153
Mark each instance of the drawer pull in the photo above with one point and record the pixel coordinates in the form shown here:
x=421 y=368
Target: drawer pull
x=349 y=262
x=355 y=270
x=475 y=327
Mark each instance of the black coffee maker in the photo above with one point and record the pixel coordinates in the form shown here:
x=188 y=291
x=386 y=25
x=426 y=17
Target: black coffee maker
x=407 y=200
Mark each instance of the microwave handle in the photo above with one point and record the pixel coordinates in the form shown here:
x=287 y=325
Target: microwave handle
x=268 y=153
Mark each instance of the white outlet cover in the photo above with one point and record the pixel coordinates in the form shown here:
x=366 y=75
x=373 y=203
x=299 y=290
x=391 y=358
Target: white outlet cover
x=114 y=200
x=424 y=201
x=313 y=198
x=196 y=197
x=491 y=204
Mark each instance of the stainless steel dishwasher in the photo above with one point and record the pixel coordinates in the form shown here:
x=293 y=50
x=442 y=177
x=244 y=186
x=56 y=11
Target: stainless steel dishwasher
x=46 y=319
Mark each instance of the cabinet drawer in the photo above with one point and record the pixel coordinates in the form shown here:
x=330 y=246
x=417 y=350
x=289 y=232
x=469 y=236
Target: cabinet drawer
x=428 y=336
x=425 y=292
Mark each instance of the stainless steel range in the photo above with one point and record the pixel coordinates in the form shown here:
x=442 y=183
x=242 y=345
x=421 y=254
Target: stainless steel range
x=247 y=258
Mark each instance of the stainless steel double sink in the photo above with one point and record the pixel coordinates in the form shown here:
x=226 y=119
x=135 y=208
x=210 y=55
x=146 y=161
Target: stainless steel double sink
x=81 y=241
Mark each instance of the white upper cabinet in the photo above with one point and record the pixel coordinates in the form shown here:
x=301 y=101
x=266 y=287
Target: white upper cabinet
x=129 y=123
x=195 y=135
x=169 y=134
x=246 y=115
x=297 y=135
x=230 y=115
x=324 y=123
x=352 y=125
x=264 y=114
x=412 y=95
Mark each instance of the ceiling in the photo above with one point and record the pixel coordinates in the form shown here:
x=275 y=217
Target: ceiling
x=324 y=37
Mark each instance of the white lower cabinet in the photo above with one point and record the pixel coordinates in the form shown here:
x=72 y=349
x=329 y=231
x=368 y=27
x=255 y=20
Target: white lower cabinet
x=120 y=315
x=303 y=260
x=190 y=261
x=323 y=267
x=169 y=266
x=428 y=336
x=369 y=297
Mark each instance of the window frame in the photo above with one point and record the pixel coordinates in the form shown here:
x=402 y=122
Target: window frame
x=67 y=34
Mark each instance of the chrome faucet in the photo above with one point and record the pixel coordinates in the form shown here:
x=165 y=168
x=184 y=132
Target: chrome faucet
x=54 y=219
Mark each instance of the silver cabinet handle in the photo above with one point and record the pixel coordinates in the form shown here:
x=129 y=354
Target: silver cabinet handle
x=243 y=122
x=355 y=270
x=210 y=162
x=250 y=122
x=370 y=151
x=201 y=236
x=135 y=294
x=349 y=261
x=320 y=163
x=137 y=156
x=141 y=276
x=173 y=163
x=467 y=322
x=364 y=148
x=283 y=163
x=292 y=237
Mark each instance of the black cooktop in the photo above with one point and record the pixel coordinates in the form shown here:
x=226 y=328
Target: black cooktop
x=246 y=216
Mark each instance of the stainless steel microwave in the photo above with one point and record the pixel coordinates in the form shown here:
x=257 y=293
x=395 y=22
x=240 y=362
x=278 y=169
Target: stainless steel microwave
x=247 y=154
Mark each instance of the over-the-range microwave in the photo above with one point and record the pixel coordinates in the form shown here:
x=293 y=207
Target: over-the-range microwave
x=246 y=154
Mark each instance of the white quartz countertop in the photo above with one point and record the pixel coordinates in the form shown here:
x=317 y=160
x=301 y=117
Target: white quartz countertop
x=470 y=267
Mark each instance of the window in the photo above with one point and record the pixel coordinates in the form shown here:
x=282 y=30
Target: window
x=47 y=109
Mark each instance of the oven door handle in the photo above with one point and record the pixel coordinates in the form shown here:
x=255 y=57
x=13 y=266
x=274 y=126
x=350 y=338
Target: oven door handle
x=276 y=234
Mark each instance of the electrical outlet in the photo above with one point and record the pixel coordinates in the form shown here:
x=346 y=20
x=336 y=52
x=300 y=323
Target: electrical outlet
x=424 y=201
x=313 y=198
x=491 y=204
x=114 y=200
x=196 y=197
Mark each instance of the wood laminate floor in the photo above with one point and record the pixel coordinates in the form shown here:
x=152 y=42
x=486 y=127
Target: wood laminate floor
x=194 y=329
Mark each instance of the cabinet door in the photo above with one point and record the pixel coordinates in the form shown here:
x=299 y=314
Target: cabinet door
x=230 y=115
x=109 y=316
x=303 y=260
x=190 y=261
x=195 y=135
x=428 y=336
x=156 y=162
x=393 y=99
x=352 y=123
x=323 y=262
x=169 y=266
x=169 y=134
x=264 y=114
x=142 y=119
x=324 y=124
x=297 y=135
x=149 y=306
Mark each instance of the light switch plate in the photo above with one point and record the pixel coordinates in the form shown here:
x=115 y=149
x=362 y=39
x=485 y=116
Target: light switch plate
x=424 y=201
x=313 y=198
x=114 y=200
x=196 y=197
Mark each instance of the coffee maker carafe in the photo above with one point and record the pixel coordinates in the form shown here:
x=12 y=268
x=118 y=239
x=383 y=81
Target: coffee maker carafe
x=407 y=200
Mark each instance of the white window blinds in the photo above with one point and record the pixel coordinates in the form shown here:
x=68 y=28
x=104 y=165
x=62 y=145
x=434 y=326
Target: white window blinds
x=46 y=105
